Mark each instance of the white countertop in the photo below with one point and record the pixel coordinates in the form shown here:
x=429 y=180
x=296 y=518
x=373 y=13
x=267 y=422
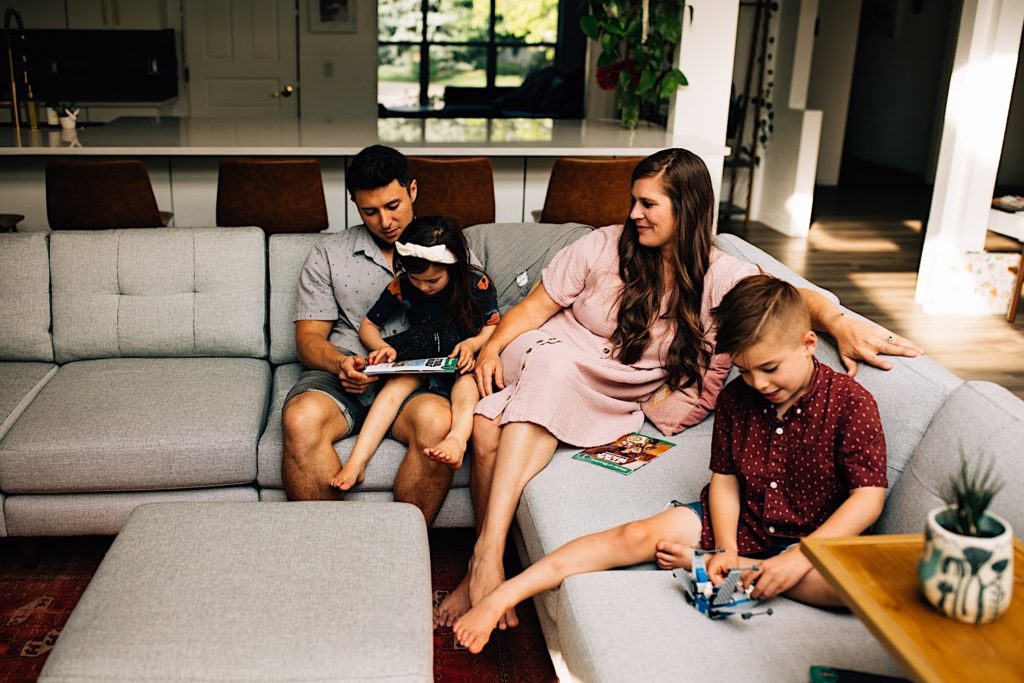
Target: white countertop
x=172 y=136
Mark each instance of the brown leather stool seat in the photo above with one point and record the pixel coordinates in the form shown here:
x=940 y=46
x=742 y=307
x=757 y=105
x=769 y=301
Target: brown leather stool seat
x=278 y=195
x=94 y=194
x=8 y=221
x=594 y=192
x=460 y=187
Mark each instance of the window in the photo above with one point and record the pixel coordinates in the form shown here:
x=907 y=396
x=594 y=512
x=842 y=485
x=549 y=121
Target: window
x=478 y=58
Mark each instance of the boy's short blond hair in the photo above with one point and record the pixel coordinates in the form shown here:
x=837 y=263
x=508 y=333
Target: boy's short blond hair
x=757 y=306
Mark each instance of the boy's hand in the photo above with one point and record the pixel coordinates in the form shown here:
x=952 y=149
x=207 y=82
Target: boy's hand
x=385 y=354
x=671 y=555
x=464 y=352
x=719 y=564
x=352 y=378
x=778 y=574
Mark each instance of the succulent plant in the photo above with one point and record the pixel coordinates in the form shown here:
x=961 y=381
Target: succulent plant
x=973 y=491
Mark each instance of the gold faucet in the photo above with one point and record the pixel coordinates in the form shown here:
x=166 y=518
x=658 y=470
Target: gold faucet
x=10 y=15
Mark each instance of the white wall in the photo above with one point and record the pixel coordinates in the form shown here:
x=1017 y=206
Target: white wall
x=835 y=47
x=338 y=71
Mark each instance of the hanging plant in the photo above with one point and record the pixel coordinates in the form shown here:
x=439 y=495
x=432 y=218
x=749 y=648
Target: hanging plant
x=638 y=43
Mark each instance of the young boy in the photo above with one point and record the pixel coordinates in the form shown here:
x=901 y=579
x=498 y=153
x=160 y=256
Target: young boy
x=797 y=451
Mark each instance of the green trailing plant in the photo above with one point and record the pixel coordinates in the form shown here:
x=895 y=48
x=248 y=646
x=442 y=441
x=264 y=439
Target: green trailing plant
x=638 y=41
x=973 y=491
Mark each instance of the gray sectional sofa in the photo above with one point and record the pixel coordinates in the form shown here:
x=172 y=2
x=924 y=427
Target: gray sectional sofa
x=148 y=365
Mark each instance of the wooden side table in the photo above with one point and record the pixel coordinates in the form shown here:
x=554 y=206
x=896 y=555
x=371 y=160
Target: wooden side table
x=876 y=576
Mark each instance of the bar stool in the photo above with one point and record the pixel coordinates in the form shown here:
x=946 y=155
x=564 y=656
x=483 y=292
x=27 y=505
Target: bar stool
x=9 y=221
x=594 y=192
x=460 y=187
x=93 y=194
x=278 y=195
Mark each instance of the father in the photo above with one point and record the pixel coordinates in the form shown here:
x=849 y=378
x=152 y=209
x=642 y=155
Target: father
x=340 y=281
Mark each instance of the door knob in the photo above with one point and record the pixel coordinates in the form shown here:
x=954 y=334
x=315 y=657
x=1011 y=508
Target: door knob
x=286 y=91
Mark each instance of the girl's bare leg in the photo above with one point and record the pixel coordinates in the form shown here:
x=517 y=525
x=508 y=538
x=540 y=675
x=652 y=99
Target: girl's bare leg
x=375 y=428
x=619 y=547
x=452 y=448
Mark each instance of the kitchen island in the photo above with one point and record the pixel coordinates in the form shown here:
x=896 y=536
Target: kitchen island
x=182 y=155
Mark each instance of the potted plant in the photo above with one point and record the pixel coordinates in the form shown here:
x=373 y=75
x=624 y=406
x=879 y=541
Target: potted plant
x=966 y=571
x=638 y=47
x=67 y=114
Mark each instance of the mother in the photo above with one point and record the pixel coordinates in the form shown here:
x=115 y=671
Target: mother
x=619 y=328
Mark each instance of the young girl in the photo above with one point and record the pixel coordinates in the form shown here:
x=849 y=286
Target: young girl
x=435 y=280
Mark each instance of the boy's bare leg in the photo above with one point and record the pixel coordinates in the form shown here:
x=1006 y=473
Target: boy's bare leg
x=814 y=589
x=312 y=423
x=486 y=433
x=424 y=420
x=378 y=421
x=523 y=450
x=452 y=448
x=619 y=547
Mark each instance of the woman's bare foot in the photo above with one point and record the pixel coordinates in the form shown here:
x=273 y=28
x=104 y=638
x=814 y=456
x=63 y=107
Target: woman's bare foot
x=484 y=577
x=449 y=452
x=454 y=605
x=473 y=629
x=348 y=476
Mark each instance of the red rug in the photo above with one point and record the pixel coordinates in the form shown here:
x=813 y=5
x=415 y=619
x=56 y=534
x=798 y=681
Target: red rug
x=35 y=603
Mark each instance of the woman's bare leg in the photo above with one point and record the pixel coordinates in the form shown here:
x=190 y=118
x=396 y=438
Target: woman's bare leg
x=622 y=546
x=524 y=449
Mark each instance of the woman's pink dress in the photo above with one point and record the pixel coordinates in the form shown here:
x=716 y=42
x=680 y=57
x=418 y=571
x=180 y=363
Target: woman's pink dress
x=563 y=376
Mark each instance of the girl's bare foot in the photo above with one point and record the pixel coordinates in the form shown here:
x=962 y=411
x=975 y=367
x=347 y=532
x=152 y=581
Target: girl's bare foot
x=454 y=605
x=473 y=629
x=450 y=452
x=348 y=476
x=484 y=577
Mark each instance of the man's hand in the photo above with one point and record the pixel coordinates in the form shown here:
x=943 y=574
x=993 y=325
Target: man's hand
x=385 y=354
x=464 y=352
x=489 y=373
x=860 y=339
x=351 y=375
x=778 y=574
x=719 y=564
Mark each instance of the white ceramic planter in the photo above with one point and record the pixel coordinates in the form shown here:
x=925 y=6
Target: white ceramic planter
x=965 y=577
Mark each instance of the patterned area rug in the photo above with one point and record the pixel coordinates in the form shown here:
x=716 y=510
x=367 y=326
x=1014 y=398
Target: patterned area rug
x=36 y=599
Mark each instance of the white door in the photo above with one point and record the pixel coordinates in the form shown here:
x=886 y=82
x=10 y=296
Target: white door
x=241 y=57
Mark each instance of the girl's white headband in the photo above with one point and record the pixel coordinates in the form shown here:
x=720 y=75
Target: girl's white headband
x=435 y=254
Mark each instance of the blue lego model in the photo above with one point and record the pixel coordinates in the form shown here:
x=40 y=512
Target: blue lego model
x=721 y=601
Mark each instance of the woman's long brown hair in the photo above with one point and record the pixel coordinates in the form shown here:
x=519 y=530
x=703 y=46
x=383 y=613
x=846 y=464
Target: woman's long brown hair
x=685 y=179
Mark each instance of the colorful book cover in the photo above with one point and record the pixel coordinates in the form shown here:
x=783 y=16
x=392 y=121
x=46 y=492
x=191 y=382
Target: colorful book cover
x=626 y=454
x=413 y=366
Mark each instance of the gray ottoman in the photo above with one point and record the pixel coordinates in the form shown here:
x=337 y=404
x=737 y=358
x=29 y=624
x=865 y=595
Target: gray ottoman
x=256 y=592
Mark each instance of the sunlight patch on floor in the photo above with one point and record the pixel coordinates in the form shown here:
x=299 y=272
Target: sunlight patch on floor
x=823 y=240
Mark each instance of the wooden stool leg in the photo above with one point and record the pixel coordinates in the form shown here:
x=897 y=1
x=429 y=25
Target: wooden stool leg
x=1011 y=314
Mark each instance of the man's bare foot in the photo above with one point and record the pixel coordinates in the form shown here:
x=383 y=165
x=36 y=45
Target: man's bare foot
x=484 y=577
x=348 y=476
x=454 y=605
x=473 y=629
x=449 y=452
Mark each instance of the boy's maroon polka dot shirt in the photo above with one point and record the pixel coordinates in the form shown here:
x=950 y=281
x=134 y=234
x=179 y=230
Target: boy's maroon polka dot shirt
x=794 y=472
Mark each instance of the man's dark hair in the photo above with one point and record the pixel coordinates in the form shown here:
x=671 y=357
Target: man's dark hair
x=376 y=166
x=757 y=306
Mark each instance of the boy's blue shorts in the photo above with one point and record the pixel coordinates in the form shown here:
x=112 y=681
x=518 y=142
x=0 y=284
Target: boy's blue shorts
x=779 y=546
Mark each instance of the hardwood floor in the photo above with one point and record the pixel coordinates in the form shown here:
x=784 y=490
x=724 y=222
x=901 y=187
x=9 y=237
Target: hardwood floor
x=864 y=245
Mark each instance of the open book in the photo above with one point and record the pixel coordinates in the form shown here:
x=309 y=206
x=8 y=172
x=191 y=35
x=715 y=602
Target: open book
x=626 y=454
x=415 y=366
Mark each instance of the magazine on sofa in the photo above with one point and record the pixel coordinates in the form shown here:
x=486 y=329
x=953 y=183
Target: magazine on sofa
x=626 y=454
x=415 y=366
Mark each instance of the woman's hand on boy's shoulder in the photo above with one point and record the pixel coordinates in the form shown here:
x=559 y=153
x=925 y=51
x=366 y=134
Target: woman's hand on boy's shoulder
x=778 y=574
x=861 y=339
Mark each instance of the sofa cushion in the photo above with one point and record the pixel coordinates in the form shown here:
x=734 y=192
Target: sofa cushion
x=25 y=304
x=19 y=384
x=286 y=254
x=3 y=521
x=380 y=472
x=740 y=248
x=637 y=626
x=987 y=422
x=510 y=249
x=139 y=424
x=149 y=293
